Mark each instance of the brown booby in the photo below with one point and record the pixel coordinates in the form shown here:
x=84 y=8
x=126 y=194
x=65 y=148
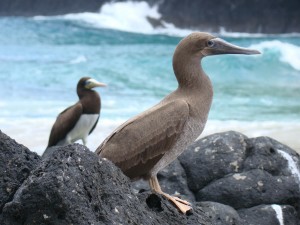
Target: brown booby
x=147 y=143
x=79 y=120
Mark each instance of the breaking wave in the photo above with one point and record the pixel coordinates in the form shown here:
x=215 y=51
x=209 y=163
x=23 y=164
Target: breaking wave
x=138 y=17
x=289 y=53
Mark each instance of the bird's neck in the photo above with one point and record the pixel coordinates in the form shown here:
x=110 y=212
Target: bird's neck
x=188 y=72
x=194 y=84
x=90 y=101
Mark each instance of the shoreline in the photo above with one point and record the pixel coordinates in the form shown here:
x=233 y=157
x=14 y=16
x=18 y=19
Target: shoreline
x=36 y=137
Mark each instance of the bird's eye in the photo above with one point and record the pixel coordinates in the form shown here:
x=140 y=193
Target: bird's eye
x=210 y=43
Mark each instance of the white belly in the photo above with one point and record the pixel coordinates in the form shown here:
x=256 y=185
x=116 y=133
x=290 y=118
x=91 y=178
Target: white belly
x=81 y=129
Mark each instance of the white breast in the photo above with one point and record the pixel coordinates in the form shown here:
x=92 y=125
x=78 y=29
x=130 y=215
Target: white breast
x=82 y=128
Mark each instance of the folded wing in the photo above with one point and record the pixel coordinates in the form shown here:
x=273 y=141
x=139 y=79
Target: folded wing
x=137 y=145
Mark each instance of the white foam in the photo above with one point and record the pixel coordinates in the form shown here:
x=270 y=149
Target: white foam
x=79 y=59
x=278 y=211
x=292 y=165
x=290 y=53
x=34 y=132
x=125 y=16
x=225 y=33
x=132 y=17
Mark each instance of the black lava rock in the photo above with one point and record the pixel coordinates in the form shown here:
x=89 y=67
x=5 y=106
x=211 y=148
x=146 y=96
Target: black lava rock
x=251 y=188
x=74 y=186
x=16 y=164
x=269 y=214
x=212 y=158
x=242 y=172
x=220 y=214
x=236 y=180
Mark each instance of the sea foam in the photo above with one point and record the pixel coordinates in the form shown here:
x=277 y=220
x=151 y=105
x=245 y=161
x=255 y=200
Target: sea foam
x=124 y=16
x=128 y=16
x=134 y=17
x=290 y=53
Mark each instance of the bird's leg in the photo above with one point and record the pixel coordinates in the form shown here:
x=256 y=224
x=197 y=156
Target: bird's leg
x=68 y=140
x=182 y=205
x=84 y=141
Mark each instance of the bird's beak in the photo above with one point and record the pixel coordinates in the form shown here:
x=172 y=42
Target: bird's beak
x=219 y=46
x=91 y=83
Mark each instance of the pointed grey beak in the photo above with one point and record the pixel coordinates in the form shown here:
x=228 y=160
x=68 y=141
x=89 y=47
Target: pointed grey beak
x=91 y=83
x=218 y=46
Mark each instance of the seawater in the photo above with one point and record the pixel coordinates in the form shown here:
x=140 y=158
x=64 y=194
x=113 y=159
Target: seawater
x=42 y=59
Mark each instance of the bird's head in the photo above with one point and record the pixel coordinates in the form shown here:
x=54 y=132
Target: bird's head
x=200 y=44
x=89 y=83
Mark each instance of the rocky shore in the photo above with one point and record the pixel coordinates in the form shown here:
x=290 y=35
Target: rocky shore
x=229 y=178
x=254 y=16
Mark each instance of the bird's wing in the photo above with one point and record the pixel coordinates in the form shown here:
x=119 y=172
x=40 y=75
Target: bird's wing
x=64 y=123
x=146 y=137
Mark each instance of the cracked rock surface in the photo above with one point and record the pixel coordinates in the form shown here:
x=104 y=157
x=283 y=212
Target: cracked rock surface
x=230 y=179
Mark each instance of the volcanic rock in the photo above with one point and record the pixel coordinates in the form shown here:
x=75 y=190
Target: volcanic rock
x=16 y=164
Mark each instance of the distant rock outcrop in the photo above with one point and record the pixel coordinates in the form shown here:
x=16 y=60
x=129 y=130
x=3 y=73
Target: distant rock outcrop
x=230 y=180
x=252 y=16
x=47 y=7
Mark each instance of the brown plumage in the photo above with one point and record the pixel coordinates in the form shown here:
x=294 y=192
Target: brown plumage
x=147 y=143
x=80 y=119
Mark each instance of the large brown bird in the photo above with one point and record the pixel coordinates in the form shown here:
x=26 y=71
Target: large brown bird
x=147 y=143
x=79 y=120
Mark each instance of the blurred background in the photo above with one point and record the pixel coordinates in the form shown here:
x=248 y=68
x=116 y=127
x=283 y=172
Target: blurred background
x=46 y=46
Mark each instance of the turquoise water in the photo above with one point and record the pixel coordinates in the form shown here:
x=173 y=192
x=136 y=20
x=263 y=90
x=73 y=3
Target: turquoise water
x=42 y=60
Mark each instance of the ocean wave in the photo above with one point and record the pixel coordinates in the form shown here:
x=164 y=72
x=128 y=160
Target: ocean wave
x=124 y=16
x=223 y=32
x=137 y=16
x=289 y=53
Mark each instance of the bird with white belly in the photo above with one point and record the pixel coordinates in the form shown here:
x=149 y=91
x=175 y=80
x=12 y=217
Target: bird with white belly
x=79 y=120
